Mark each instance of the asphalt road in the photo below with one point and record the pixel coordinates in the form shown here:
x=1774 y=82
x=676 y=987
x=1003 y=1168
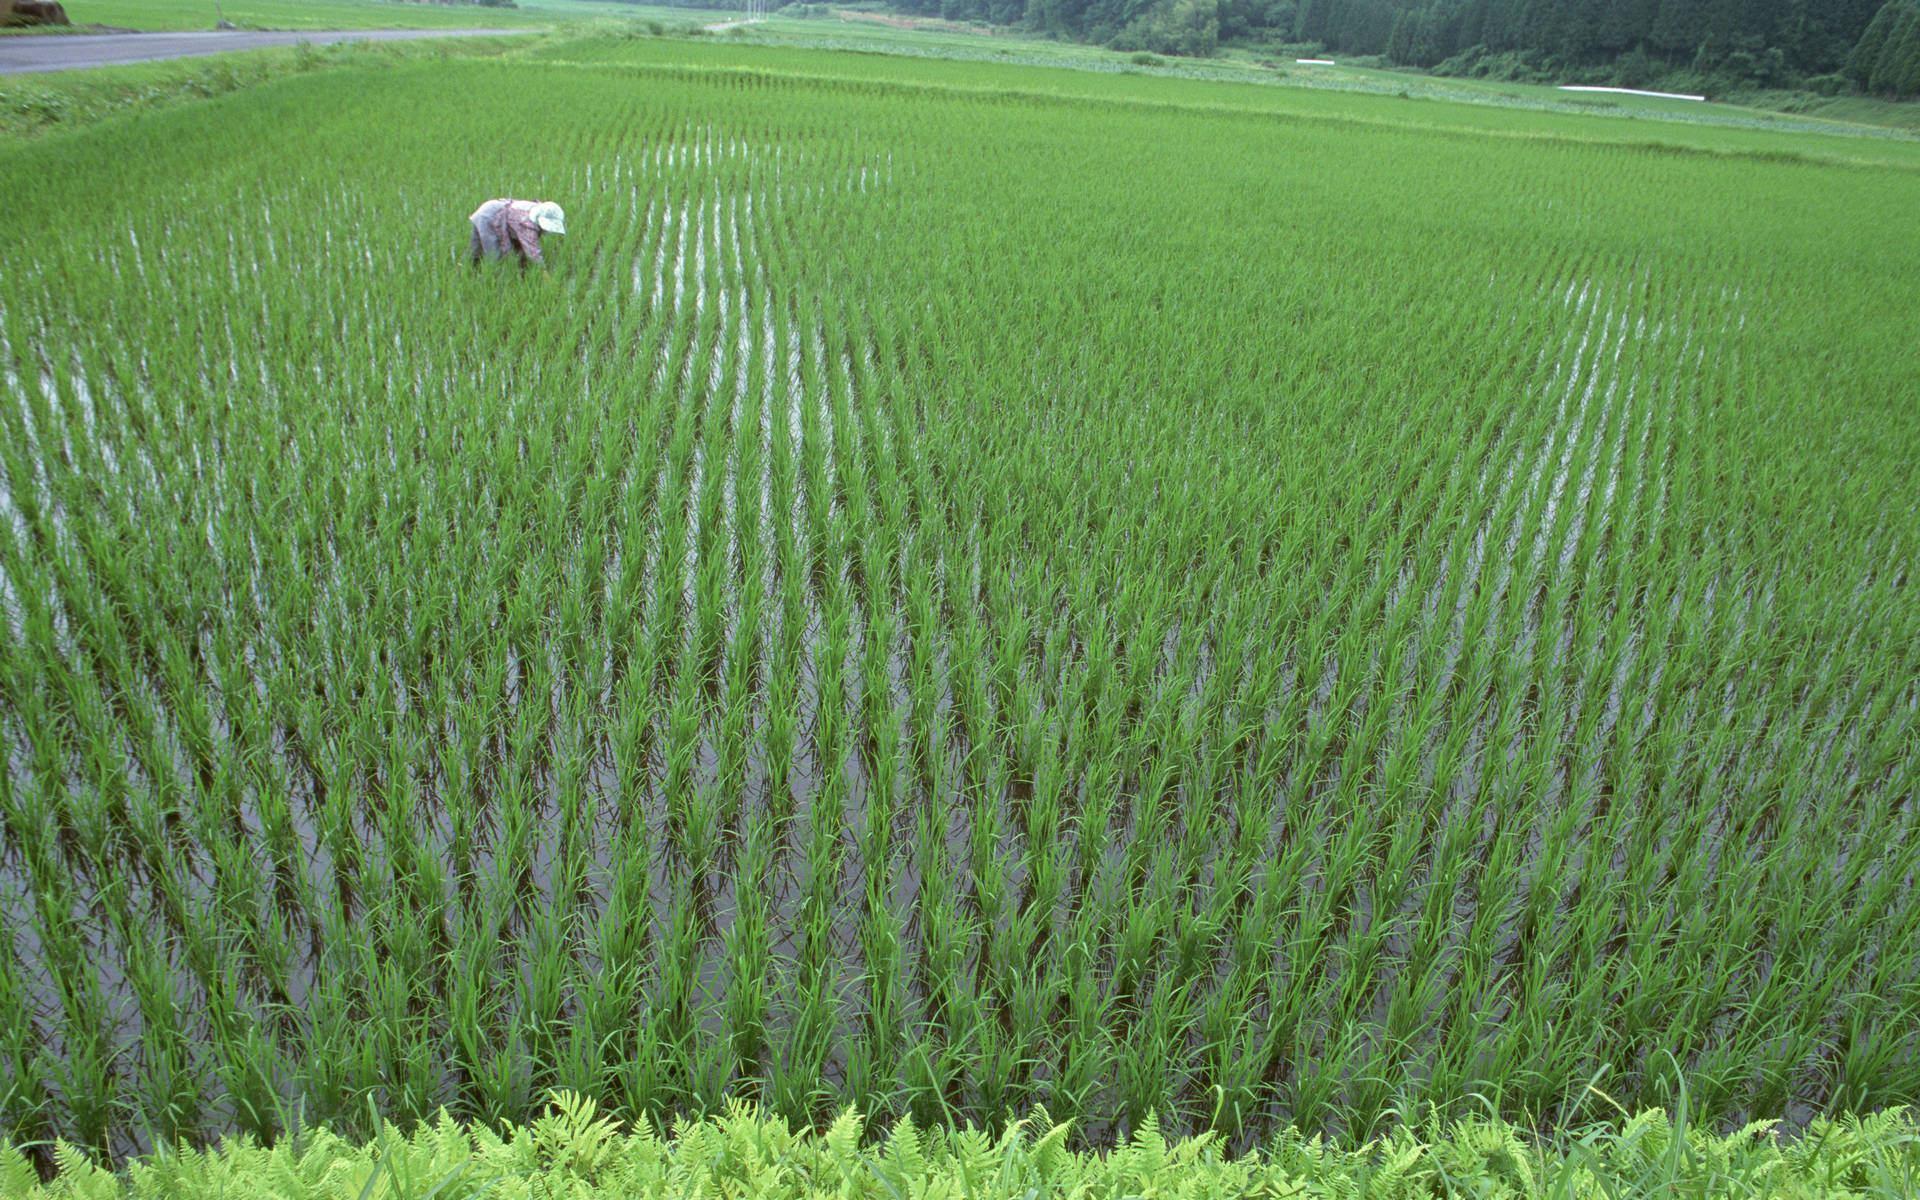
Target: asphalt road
x=67 y=52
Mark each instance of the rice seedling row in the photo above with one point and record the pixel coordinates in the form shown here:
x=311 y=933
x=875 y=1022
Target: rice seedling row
x=947 y=602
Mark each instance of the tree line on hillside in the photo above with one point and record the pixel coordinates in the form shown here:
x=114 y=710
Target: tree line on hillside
x=1827 y=45
x=1886 y=60
x=1769 y=43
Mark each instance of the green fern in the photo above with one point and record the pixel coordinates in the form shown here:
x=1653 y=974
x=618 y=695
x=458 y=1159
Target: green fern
x=573 y=1152
x=17 y=1176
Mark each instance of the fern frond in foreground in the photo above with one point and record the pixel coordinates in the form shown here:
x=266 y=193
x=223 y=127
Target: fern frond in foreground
x=574 y=1151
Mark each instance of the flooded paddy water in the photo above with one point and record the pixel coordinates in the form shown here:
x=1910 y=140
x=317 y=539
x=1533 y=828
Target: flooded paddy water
x=842 y=636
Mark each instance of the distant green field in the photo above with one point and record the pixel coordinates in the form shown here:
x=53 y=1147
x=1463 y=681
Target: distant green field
x=1783 y=110
x=1865 y=117
x=1863 y=110
x=1036 y=68
x=964 y=586
x=1769 y=110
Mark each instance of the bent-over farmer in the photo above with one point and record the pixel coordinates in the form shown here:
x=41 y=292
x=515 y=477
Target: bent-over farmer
x=504 y=226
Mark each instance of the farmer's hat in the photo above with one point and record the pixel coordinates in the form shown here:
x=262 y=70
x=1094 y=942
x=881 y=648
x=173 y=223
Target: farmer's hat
x=548 y=217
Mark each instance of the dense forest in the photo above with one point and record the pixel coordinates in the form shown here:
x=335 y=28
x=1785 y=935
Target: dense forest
x=1635 y=42
x=1705 y=45
x=1886 y=59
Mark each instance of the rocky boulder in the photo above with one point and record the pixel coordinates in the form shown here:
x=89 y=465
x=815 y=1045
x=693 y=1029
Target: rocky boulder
x=32 y=12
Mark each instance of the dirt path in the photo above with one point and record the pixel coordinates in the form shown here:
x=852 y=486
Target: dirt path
x=723 y=26
x=73 y=52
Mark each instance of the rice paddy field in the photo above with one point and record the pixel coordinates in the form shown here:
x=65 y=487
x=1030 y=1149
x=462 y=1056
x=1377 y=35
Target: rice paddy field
x=948 y=598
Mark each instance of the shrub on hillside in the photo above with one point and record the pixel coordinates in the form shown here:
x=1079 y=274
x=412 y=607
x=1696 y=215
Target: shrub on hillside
x=1188 y=28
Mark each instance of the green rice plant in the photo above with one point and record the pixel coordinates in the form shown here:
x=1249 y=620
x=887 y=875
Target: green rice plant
x=961 y=588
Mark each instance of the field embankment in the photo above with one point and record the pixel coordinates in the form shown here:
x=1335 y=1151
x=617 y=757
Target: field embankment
x=202 y=15
x=89 y=52
x=34 y=105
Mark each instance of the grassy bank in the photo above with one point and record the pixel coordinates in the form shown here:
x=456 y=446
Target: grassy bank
x=33 y=105
x=574 y=1152
x=177 y=15
x=1903 y=115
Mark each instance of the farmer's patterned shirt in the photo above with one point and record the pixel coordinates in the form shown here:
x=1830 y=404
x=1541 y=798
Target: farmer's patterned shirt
x=503 y=225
